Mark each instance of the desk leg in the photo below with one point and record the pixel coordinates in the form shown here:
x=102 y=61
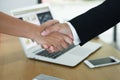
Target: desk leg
x=115 y=34
x=115 y=42
x=39 y=1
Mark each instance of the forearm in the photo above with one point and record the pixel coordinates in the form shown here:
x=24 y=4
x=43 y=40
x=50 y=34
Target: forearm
x=13 y=26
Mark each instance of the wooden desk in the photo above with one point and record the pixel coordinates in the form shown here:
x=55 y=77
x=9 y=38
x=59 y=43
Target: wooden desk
x=15 y=66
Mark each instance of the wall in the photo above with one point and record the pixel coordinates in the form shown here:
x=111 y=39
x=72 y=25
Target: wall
x=7 y=5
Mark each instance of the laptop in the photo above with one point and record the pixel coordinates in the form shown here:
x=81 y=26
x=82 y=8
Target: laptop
x=71 y=56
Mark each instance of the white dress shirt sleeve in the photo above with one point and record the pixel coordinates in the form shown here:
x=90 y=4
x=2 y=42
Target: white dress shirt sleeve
x=75 y=35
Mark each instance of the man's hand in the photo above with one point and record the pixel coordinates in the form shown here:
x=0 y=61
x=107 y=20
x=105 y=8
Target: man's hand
x=59 y=27
x=54 y=41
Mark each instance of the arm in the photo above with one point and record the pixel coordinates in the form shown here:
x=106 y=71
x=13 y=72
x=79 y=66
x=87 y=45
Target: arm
x=97 y=20
x=13 y=26
x=93 y=22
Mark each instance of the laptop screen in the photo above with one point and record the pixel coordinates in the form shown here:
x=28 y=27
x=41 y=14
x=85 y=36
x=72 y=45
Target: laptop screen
x=35 y=15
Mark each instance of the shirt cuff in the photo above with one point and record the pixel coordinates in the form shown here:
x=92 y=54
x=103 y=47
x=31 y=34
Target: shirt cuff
x=76 y=39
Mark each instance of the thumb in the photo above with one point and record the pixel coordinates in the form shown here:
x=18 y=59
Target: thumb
x=48 y=30
x=50 y=23
x=44 y=33
x=48 y=27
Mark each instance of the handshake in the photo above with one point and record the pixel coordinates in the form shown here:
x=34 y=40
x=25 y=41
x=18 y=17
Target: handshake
x=53 y=36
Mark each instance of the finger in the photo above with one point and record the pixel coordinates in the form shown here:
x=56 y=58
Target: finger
x=71 y=36
x=51 y=49
x=45 y=46
x=44 y=33
x=64 y=44
x=58 y=47
x=68 y=40
x=48 y=30
x=52 y=28
x=50 y=23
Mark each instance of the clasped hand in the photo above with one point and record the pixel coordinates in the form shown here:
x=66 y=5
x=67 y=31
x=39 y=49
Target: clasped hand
x=54 y=36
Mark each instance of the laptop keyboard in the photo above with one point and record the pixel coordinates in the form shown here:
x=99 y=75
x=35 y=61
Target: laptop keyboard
x=54 y=55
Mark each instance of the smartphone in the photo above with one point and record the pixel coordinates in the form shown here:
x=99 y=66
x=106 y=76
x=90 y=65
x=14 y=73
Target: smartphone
x=101 y=62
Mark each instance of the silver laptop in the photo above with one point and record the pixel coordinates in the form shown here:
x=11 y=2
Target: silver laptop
x=71 y=56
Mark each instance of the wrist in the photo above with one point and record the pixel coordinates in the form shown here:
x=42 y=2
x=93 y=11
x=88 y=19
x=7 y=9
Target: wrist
x=75 y=35
x=68 y=30
x=34 y=33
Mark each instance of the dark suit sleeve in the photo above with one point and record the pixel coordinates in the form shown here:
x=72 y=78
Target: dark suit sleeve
x=97 y=20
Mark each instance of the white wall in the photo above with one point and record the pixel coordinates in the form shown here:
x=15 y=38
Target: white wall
x=7 y=5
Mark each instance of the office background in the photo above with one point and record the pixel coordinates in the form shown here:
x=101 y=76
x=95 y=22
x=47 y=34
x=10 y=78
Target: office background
x=15 y=66
x=72 y=6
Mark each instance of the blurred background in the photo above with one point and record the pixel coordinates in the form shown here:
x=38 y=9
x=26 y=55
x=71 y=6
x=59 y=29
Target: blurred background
x=65 y=10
